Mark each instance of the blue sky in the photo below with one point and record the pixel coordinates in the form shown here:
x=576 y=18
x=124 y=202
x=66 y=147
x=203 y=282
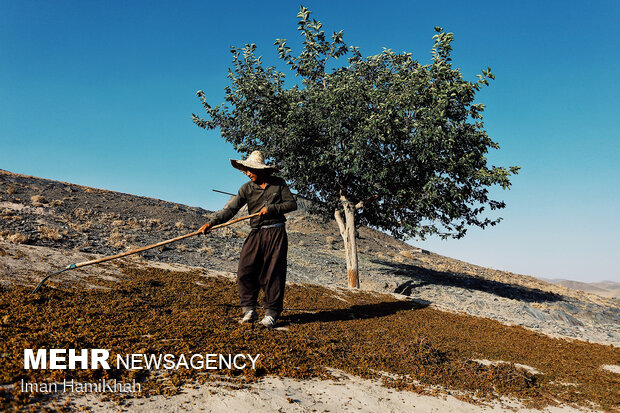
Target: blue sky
x=101 y=94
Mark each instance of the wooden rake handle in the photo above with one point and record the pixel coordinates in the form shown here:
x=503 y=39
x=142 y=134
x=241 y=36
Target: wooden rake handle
x=148 y=247
x=159 y=244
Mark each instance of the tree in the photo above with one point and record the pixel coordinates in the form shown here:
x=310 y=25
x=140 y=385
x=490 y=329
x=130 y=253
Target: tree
x=384 y=141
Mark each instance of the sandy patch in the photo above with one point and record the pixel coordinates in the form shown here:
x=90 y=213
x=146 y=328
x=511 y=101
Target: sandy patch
x=611 y=367
x=345 y=394
x=28 y=264
x=169 y=266
x=527 y=368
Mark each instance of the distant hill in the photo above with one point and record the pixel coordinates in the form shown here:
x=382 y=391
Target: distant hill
x=609 y=289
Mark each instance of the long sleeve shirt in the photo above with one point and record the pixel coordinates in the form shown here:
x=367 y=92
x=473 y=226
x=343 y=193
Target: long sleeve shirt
x=276 y=197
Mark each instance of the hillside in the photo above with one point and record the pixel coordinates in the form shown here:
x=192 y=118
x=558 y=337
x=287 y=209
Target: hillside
x=423 y=321
x=36 y=212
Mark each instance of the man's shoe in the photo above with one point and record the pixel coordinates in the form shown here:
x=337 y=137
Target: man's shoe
x=249 y=317
x=268 y=321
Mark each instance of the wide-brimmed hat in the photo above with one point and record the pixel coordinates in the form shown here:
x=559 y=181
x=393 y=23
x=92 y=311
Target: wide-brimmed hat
x=254 y=161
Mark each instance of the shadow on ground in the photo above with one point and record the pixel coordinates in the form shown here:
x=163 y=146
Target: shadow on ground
x=420 y=276
x=356 y=312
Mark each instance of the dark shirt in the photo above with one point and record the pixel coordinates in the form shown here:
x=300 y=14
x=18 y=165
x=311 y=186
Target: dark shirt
x=276 y=197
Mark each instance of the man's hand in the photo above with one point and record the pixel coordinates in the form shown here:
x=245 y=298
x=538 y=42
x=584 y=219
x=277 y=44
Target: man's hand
x=264 y=212
x=205 y=228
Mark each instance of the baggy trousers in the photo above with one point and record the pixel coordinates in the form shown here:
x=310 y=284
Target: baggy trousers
x=262 y=266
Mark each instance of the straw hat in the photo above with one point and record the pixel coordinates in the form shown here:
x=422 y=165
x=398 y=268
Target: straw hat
x=254 y=161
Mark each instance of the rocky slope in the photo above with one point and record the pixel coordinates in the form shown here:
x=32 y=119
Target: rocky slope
x=46 y=225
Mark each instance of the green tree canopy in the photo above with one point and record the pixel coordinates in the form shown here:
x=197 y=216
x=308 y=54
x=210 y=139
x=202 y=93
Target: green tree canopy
x=385 y=140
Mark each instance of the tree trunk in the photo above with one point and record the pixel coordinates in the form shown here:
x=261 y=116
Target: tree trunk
x=347 y=232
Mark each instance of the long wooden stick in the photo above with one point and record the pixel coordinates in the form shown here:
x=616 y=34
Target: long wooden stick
x=148 y=247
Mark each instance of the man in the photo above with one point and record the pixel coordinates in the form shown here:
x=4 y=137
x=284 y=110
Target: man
x=262 y=264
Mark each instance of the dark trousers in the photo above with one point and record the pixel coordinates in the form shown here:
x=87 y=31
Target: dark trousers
x=262 y=266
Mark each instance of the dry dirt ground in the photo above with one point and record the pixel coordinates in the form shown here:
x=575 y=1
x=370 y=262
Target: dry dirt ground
x=395 y=344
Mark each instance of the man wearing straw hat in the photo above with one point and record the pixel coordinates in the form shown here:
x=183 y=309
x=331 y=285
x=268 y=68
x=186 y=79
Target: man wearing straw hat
x=262 y=264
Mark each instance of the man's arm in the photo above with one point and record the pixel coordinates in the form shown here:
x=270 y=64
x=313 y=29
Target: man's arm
x=288 y=203
x=225 y=214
